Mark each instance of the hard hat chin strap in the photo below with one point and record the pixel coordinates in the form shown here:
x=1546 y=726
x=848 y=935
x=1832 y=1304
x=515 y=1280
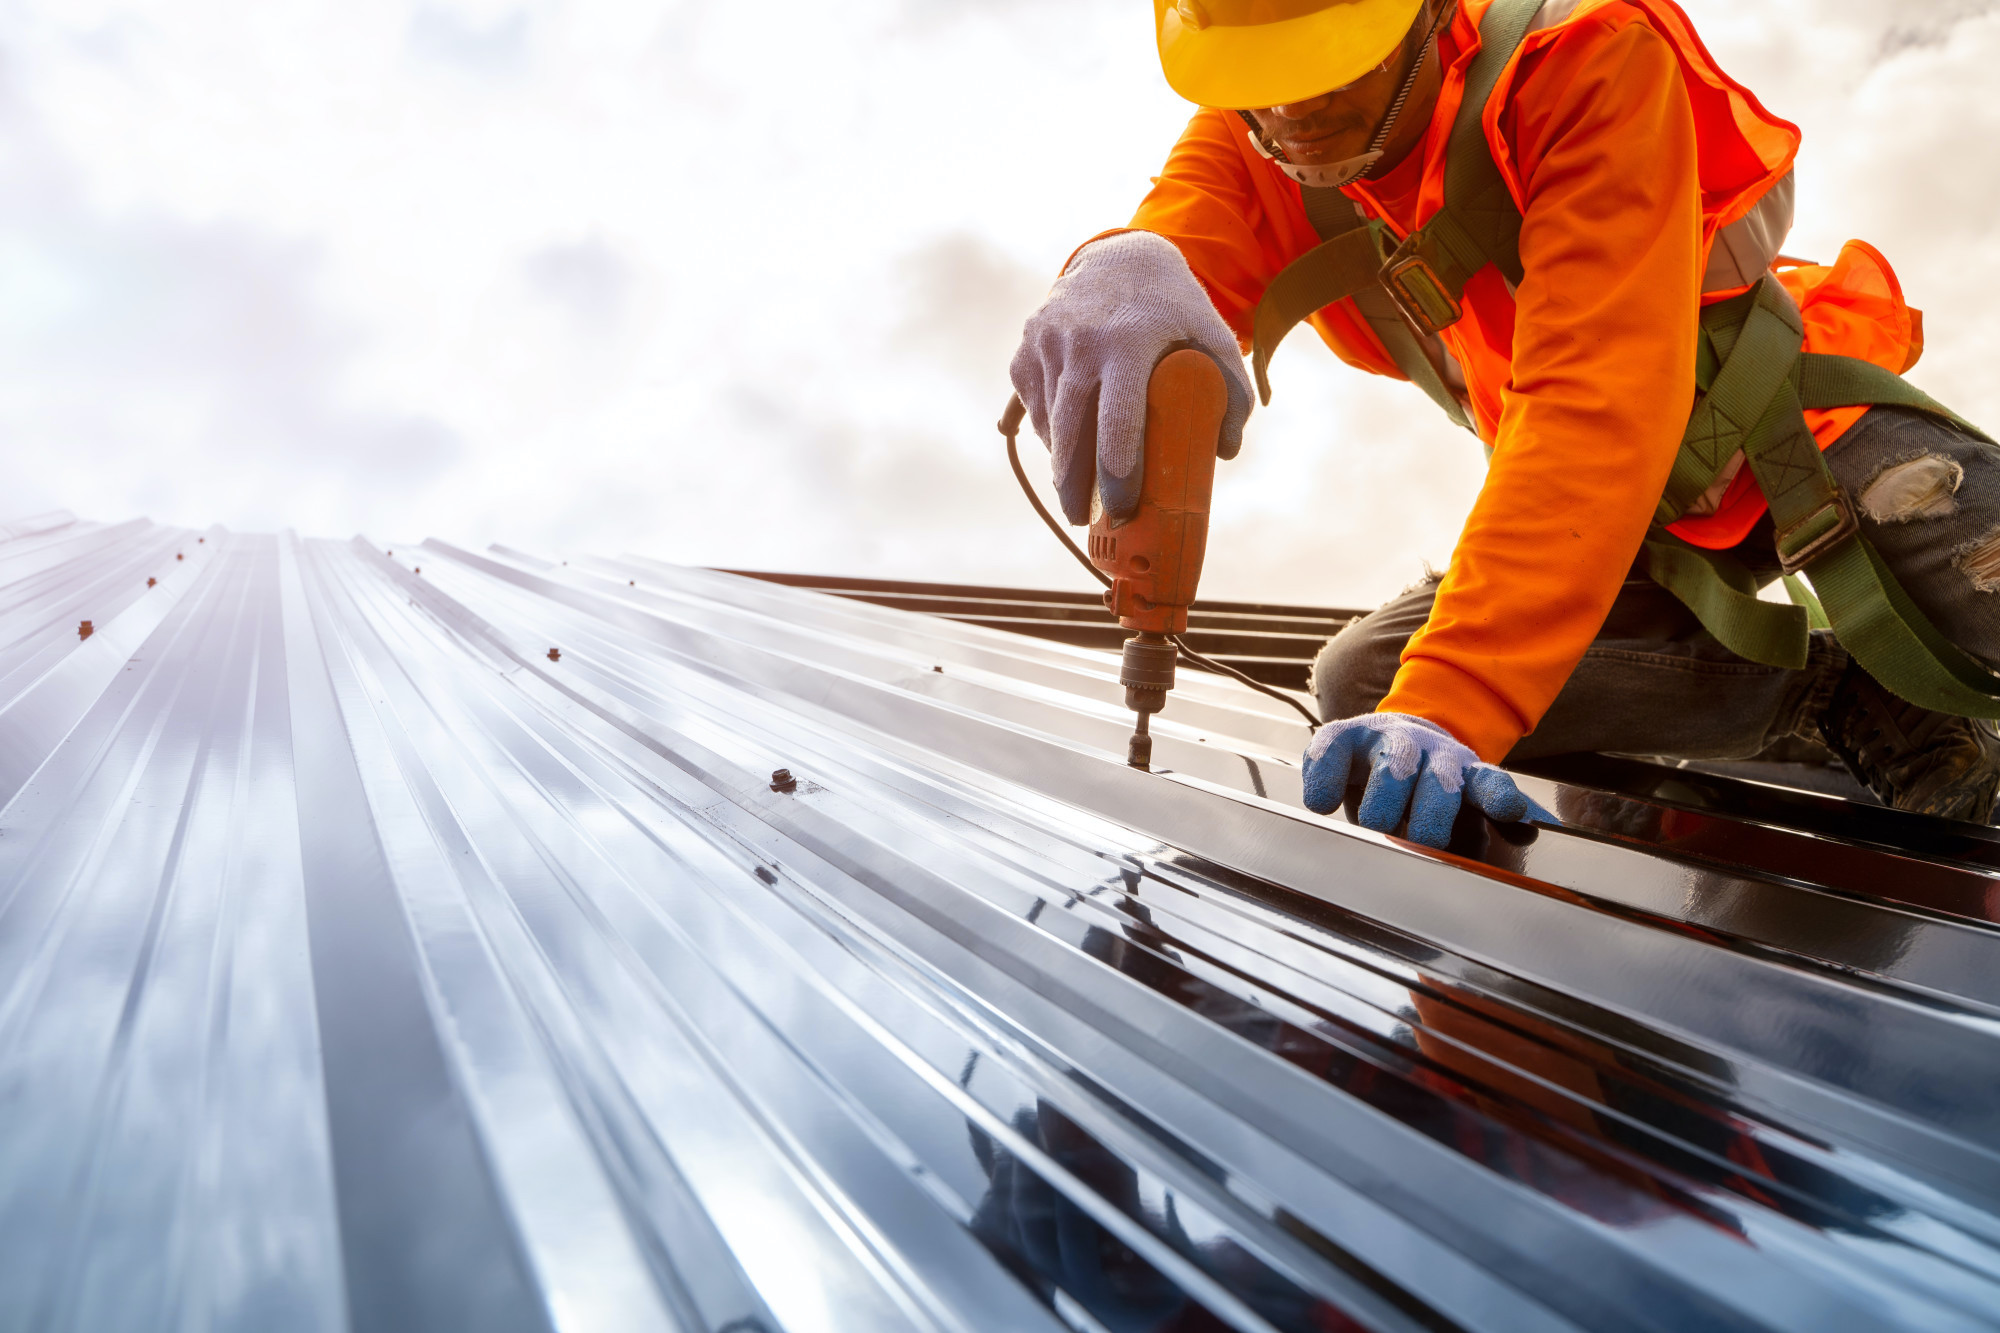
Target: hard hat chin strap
x=1330 y=176
x=1333 y=175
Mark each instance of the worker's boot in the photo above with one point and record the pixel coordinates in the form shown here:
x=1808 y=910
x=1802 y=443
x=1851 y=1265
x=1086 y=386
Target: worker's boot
x=1914 y=759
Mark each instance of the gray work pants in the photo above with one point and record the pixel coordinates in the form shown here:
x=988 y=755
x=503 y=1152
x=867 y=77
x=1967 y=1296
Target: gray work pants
x=1654 y=682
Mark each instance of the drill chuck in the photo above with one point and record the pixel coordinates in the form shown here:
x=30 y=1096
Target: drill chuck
x=1147 y=672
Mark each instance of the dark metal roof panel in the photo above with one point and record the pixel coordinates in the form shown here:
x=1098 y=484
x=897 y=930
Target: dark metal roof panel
x=1273 y=644
x=418 y=941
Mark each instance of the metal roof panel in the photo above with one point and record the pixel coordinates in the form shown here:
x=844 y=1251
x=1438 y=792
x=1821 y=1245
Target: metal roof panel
x=421 y=941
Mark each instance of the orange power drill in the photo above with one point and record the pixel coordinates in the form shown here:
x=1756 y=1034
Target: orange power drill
x=1153 y=559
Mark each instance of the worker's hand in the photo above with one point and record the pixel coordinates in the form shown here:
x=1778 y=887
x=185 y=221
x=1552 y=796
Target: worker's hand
x=1086 y=357
x=1414 y=768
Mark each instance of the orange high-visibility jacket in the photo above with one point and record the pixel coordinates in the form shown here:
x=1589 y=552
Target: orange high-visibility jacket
x=1628 y=150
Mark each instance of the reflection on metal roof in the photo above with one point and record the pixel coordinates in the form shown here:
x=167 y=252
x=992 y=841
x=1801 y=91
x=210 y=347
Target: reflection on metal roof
x=420 y=941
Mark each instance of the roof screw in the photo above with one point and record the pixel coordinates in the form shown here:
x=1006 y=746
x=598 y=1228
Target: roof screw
x=782 y=780
x=938 y=669
x=151 y=582
x=418 y=570
x=202 y=540
x=555 y=654
x=631 y=583
x=84 y=630
x=179 y=556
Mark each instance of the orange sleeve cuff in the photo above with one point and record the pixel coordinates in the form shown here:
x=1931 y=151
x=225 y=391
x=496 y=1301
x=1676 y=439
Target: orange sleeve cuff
x=1439 y=692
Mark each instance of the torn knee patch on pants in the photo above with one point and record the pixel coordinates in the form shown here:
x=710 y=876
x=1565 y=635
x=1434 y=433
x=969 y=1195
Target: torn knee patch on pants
x=1980 y=562
x=1922 y=487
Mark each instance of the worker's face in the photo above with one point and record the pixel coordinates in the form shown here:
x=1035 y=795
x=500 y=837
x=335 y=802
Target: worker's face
x=1336 y=126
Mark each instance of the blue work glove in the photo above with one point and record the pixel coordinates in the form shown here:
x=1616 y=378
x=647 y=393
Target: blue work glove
x=1414 y=767
x=1088 y=354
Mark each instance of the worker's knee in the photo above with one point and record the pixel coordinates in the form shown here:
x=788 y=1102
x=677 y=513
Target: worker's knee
x=1347 y=676
x=1355 y=669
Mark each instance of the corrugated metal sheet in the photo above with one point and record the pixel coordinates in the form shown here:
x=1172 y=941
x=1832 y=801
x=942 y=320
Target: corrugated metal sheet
x=1271 y=643
x=385 y=949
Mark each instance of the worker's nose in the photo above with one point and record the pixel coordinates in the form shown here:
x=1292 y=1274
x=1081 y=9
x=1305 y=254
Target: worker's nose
x=1300 y=110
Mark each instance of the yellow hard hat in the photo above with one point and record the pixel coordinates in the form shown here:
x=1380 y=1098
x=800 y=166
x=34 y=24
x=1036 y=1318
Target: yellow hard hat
x=1248 y=54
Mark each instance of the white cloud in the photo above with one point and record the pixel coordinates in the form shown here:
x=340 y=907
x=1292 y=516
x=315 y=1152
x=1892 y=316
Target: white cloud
x=590 y=281
x=183 y=368
x=737 y=284
x=477 y=43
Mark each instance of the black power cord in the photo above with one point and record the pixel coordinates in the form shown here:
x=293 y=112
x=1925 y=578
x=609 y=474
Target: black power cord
x=1010 y=427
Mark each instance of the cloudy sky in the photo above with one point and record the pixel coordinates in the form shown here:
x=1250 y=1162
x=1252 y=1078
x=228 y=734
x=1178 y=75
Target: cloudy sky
x=736 y=284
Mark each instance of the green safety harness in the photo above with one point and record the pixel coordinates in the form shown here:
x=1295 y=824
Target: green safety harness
x=1754 y=383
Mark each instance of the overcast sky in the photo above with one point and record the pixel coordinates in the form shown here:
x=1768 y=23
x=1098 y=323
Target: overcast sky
x=736 y=284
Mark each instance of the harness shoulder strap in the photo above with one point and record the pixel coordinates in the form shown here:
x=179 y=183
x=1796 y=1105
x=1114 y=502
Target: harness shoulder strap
x=1338 y=267
x=1476 y=223
x=1334 y=214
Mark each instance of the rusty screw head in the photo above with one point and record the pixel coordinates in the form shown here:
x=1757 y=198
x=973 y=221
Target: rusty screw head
x=202 y=540
x=555 y=654
x=782 y=780
x=418 y=570
x=85 y=630
x=179 y=556
x=151 y=582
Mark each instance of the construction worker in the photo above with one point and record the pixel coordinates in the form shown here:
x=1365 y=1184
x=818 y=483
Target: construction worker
x=1562 y=221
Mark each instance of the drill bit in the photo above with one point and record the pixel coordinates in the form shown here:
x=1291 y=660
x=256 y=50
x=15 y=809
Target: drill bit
x=1139 y=750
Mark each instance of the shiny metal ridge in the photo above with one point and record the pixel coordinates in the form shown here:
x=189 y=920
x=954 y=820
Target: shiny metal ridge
x=426 y=940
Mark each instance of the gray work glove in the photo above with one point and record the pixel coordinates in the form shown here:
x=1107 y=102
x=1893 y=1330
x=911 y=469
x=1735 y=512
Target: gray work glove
x=1087 y=355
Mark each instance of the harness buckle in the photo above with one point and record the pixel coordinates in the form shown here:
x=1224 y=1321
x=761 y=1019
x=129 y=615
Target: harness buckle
x=1418 y=291
x=1845 y=526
